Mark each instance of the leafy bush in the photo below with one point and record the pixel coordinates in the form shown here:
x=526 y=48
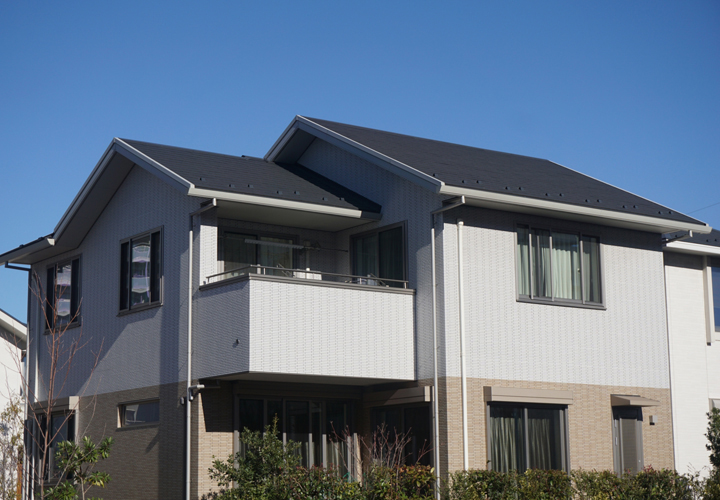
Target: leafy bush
x=76 y=462
x=533 y=484
x=713 y=437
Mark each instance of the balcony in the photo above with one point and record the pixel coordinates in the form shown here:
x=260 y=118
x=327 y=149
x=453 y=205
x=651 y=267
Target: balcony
x=272 y=323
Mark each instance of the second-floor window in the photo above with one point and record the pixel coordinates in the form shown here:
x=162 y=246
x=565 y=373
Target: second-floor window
x=141 y=271
x=237 y=250
x=380 y=254
x=63 y=294
x=558 y=266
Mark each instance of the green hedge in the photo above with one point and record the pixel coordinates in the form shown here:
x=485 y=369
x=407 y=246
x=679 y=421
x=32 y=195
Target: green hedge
x=648 y=484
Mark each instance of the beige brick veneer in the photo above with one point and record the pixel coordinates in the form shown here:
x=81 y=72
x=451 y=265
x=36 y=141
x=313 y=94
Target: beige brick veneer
x=590 y=423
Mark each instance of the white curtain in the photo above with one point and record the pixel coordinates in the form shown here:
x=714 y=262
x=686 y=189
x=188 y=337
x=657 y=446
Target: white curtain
x=566 y=266
x=541 y=264
x=506 y=439
x=591 y=269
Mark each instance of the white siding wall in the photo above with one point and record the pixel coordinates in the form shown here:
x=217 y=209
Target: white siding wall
x=143 y=348
x=401 y=201
x=625 y=345
x=10 y=367
x=695 y=366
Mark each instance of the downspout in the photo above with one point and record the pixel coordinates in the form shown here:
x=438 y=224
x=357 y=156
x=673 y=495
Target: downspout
x=461 y=317
x=436 y=383
x=190 y=392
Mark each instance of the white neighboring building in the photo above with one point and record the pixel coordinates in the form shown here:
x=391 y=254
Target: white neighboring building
x=13 y=337
x=692 y=278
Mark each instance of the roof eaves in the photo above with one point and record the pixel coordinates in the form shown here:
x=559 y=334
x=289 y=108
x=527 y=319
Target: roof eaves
x=27 y=249
x=653 y=224
x=692 y=248
x=153 y=166
x=397 y=167
x=15 y=327
x=280 y=203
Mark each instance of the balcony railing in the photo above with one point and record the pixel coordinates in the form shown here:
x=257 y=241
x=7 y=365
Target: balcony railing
x=306 y=274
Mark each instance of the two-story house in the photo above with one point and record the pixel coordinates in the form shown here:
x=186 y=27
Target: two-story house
x=692 y=277
x=504 y=311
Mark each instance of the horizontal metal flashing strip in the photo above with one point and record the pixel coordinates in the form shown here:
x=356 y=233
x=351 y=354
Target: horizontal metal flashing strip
x=693 y=248
x=399 y=396
x=69 y=403
x=626 y=400
x=608 y=217
x=495 y=394
x=309 y=282
x=287 y=204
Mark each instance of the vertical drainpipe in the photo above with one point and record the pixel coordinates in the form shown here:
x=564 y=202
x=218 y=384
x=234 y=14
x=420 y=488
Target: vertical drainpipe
x=190 y=388
x=461 y=327
x=436 y=404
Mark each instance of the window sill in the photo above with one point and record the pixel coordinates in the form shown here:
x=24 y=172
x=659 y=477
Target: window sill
x=63 y=328
x=580 y=305
x=140 y=308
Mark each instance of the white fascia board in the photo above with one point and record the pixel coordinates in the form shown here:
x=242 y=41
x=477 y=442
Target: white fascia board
x=693 y=248
x=651 y=224
x=10 y=324
x=391 y=164
x=86 y=187
x=117 y=145
x=153 y=166
x=282 y=140
x=25 y=250
x=287 y=204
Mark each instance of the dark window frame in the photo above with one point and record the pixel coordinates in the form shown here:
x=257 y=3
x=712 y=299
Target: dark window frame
x=51 y=294
x=713 y=263
x=564 y=424
x=377 y=231
x=156 y=271
x=553 y=300
x=122 y=408
x=222 y=230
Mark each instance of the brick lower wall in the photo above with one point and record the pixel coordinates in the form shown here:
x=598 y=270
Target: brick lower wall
x=589 y=422
x=145 y=461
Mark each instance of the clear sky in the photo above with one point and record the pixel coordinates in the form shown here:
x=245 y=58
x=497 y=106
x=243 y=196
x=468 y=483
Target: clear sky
x=627 y=92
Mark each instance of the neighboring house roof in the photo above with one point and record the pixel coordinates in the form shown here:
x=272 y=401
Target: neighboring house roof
x=701 y=244
x=13 y=330
x=500 y=177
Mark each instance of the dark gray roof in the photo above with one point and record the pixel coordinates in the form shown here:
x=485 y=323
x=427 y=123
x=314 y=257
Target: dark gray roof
x=712 y=239
x=253 y=176
x=493 y=171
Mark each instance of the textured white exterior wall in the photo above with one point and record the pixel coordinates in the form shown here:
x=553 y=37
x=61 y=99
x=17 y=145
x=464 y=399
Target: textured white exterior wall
x=10 y=368
x=317 y=330
x=624 y=345
x=401 y=201
x=295 y=328
x=142 y=348
x=694 y=366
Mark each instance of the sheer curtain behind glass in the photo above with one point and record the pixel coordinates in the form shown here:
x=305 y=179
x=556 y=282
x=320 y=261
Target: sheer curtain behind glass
x=541 y=263
x=544 y=439
x=523 y=260
x=566 y=265
x=591 y=269
x=507 y=439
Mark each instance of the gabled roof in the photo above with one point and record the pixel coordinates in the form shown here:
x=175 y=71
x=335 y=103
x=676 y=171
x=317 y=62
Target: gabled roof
x=250 y=188
x=13 y=330
x=491 y=178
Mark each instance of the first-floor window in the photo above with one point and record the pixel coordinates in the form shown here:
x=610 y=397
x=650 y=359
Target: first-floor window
x=61 y=428
x=63 y=294
x=405 y=426
x=558 y=266
x=321 y=428
x=527 y=437
x=141 y=413
x=140 y=270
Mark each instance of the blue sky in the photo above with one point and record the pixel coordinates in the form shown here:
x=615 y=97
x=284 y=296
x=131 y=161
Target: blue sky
x=626 y=92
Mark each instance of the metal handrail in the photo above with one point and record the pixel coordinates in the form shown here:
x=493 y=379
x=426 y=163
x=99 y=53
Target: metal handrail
x=369 y=280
